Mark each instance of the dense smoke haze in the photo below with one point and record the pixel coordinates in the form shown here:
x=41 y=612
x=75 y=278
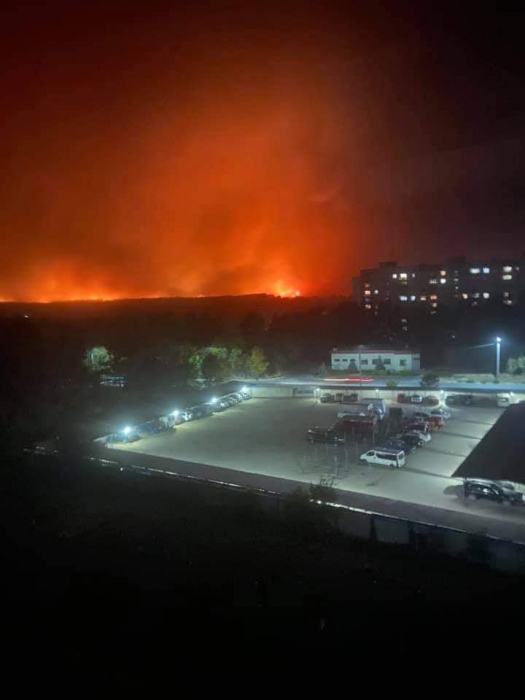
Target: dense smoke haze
x=149 y=151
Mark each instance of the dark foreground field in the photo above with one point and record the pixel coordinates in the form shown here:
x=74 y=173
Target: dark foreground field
x=120 y=578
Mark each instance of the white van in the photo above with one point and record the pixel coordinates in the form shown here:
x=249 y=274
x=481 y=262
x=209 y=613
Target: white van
x=388 y=458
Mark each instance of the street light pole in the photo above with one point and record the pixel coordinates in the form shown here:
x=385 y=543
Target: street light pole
x=498 y=355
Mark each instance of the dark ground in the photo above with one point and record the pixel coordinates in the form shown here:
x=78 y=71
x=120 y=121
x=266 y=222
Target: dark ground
x=119 y=578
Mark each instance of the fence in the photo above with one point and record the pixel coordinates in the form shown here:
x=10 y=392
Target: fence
x=498 y=553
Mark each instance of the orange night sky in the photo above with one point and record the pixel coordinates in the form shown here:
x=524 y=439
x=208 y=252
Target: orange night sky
x=153 y=152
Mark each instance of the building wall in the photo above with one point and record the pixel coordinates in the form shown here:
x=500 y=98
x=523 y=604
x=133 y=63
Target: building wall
x=455 y=282
x=368 y=361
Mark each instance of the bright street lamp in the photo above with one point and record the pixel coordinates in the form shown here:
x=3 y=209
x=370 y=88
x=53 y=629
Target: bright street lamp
x=127 y=430
x=498 y=355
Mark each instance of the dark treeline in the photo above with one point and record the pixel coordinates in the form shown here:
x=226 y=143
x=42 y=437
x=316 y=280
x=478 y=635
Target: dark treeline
x=46 y=375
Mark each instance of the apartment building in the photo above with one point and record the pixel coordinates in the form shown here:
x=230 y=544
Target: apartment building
x=457 y=281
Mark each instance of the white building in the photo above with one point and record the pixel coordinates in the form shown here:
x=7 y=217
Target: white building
x=365 y=359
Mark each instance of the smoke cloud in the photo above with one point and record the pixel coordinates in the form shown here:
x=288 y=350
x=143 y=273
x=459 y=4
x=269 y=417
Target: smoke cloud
x=153 y=153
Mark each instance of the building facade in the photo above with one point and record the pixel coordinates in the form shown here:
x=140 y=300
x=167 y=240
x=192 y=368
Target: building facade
x=366 y=359
x=457 y=281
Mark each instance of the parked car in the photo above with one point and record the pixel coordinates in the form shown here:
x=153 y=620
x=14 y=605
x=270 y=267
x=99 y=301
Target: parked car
x=426 y=437
x=400 y=445
x=460 y=399
x=384 y=456
x=201 y=411
x=445 y=415
x=186 y=415
x=125 y=437
x=502 y=492
x=220 y=405
x=246 y=394
x=232 y=401
x=436 y=422
x=410 y=439
x=419 y=426
x=350 y=398
x=326 y=435
x=416 y=398
x=238 y=395
x=421 y=414
x=327 y=398
x=431 y=401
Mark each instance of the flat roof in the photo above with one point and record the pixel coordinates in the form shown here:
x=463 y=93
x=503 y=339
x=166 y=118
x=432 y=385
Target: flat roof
x=375 y=351
x=500 y=455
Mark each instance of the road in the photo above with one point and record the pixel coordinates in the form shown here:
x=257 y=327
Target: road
x=402 y=383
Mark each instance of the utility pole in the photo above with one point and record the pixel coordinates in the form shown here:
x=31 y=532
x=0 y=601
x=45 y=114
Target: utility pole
x=498 y=356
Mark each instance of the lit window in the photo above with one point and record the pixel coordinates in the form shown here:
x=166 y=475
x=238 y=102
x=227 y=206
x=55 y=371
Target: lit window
x=367 y=284
x=506 y=295
x=433 y=297
x=506 y=278
x=464 y=296
x=486 y=295
x=403 y=275
x=443 y=273
x=367 y=292
x=368 y=306
x=434 y=304
x=486 y=270
x=404 y=320
x=422 y=298
x=394 y=276
x=474 y=270
x=443 y=280
x=432 y=280
x=403 y=298
x=412 y=297
x=507 y=268
x=507 y=302
x=517 y=268
x=456 y=279
x=413 y=275
x=475 y=295
x=376 y=291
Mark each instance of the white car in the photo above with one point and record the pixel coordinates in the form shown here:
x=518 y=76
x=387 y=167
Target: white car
x=416 y=398
x=441 y=413
x=426 y=437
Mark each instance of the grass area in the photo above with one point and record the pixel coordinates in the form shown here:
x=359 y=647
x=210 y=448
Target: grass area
x=488 y=378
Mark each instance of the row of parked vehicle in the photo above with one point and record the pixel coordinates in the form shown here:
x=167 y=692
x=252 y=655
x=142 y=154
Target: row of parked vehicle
x=132 y=434
x=415 y=431
x=216 y=405
x=418 y=399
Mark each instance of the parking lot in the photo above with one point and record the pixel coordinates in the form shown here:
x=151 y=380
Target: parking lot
x=268 y=437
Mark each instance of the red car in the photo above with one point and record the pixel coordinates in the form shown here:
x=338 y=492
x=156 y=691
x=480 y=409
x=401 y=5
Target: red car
x=436 y=423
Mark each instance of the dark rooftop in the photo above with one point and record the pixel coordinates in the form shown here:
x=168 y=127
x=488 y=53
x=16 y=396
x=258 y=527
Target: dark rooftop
x=501 y=453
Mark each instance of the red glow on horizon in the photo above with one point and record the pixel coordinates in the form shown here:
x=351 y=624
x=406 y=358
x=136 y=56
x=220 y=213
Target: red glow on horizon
x=214 y=168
